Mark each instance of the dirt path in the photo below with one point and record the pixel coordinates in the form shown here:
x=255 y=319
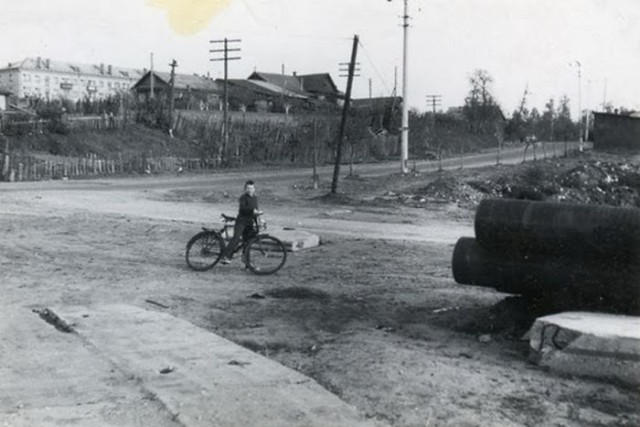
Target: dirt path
x=372 y=314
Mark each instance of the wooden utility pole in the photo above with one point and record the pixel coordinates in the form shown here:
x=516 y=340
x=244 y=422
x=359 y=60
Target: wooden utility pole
x=151 y=82
x=435 y=101
x=225 y=50
x=315 y=155
x=345 y=111
x=172 y=83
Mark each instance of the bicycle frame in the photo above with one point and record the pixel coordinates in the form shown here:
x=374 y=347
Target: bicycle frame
x=224 y=232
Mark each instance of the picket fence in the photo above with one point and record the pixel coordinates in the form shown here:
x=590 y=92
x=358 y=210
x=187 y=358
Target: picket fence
x=37 y=168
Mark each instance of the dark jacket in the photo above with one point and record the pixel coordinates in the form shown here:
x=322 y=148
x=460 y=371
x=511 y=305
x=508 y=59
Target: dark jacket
x=247 y=206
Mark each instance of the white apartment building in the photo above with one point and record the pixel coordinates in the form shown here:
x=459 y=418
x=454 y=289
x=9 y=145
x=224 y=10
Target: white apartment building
x=49 y=79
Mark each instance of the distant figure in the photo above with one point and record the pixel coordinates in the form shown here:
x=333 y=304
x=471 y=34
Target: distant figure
x=532 y=141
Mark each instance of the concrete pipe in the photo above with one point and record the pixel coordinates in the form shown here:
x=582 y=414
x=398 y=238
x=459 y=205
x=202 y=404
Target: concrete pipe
x=527 y=227
x=474 y=265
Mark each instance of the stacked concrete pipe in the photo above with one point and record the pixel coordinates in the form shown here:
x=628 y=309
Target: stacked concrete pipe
x=542 y=248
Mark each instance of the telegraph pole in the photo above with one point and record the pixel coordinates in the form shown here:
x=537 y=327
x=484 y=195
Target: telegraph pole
x=151 y=95
x=225 y=51
x=435 y=101
x=404 y=129
x=405 y=90
x=579 y=101
x=172 y=83
x=345 y=110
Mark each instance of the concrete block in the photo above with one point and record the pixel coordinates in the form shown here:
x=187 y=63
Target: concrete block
x=202 y=379
x=596 y=345
x=295 y=240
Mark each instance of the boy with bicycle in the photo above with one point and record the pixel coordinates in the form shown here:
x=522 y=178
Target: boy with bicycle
x=247 y=211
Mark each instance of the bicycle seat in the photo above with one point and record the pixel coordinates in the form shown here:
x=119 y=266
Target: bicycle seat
x=227 y=218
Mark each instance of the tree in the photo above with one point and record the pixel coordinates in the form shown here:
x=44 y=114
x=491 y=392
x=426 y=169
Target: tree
x=565 y=129
x=480 y=105
x=547 y=121
x=535 y=123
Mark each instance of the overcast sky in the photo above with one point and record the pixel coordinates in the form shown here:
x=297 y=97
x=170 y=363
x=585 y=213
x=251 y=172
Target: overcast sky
x=519 y=42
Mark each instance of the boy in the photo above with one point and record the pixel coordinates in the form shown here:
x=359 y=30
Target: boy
x=247 y=211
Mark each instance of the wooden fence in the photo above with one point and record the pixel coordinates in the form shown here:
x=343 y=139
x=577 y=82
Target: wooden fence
x=20 y=167
x=27 y=125
x=301 y=140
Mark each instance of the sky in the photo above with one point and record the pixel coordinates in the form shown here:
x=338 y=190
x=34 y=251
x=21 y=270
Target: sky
x=532 y=44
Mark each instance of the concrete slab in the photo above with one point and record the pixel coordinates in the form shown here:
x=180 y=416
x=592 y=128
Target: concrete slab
x=295 y=240
x=596 y=345
x=201 y=378
x=50 y=378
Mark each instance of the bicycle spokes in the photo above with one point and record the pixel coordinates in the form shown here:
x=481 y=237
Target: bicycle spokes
x=265 y=254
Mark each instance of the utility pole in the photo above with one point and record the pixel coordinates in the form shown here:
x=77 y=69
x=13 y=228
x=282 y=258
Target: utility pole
x=345 y=69
x=404 y=129
x=172 y=83
x=345 y=111
x=580 y=128
x=435 y=100
x=225 y=50
x=587 y=111
x=151 y=95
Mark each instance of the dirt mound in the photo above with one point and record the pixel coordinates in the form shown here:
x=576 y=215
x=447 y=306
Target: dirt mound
x=590 y=178
x=452 y=189
x=615 y=184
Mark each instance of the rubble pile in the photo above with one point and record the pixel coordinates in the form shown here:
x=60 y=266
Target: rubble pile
x=592 y=182
x=615 y=184
x=583 y=180
x=451 y=189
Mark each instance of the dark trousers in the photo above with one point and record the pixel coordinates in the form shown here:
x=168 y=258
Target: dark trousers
x=238 y=230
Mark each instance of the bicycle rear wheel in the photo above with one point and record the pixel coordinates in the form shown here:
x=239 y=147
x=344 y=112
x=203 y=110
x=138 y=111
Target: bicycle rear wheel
x=204 y=250
x=265 y=254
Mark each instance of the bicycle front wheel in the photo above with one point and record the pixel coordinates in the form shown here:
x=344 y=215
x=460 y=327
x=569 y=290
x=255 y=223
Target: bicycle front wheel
x=265 y=254
x=204 y=250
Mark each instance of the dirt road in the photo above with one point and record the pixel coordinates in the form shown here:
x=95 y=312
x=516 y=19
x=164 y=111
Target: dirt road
x=372 y=314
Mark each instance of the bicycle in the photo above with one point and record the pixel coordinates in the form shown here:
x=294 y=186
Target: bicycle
x=261 y=253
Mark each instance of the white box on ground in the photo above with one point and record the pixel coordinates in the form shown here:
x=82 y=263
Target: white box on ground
x=596 y=345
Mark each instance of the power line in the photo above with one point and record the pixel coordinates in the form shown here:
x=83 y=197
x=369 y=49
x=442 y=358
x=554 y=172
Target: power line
x=371 y=63
x=225 y=51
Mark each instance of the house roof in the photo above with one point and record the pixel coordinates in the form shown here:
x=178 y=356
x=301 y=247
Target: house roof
x=74 y=68
x=318 y=83
x=264 y=88
x=290 y=83
x=182 y=81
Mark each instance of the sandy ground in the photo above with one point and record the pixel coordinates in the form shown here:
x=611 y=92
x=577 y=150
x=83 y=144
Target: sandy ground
x=373 y=314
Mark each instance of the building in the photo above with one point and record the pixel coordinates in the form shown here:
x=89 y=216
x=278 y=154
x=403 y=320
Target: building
x=4 y=99
x=286 y=82
x=190 y=91
x=261 y=95
x=317 y=86
x=616 y=131
x=383 y=112
x=321 y=86
x=50 y=79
